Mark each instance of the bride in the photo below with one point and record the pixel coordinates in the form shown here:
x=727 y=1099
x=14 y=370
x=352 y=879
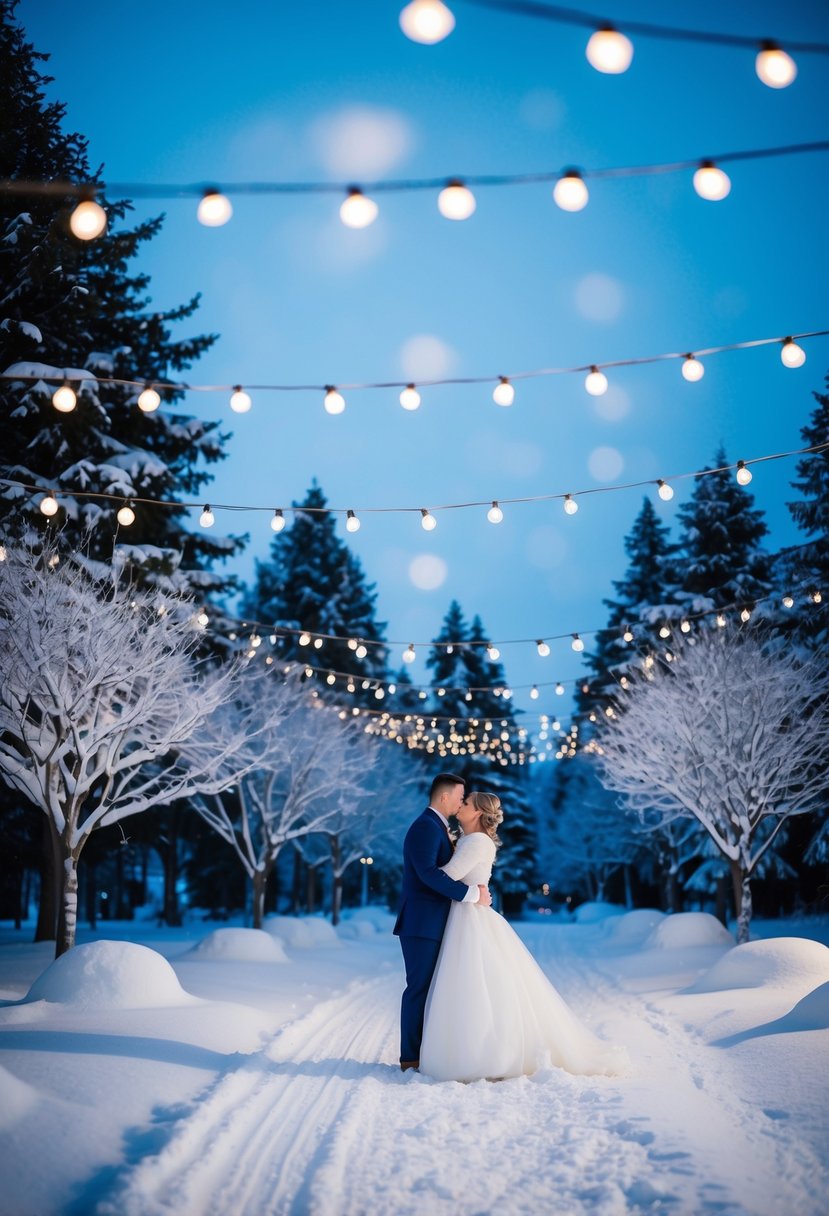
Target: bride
x=517 y=1021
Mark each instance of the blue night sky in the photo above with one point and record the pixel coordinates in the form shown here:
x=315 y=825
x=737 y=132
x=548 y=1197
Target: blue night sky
x=186 y=92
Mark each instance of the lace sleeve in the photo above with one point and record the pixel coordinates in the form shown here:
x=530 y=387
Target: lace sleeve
x=470 y=852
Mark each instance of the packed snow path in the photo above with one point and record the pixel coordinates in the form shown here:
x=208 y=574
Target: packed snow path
x=322 y=1122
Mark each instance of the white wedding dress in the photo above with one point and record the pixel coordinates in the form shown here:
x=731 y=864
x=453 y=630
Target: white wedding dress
x=491 y=1012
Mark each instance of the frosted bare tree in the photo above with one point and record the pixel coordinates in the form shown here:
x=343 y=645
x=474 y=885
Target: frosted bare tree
x=310 y=769
x=100 y=691
x=735 y=734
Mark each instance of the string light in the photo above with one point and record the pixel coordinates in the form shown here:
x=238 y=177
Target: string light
x=816 y=597
x=745 y=616
x=207 y=518
x=126 y=515
x=692 y=369
x=352 y=523
x=278 y=521
x=774 y=67
x=792 y=355
x=685 y=625
x=88 y=220
x=64 y=399
x=334 y=402
x=666 y=492
x=570 y=504
x=559 y=689
x=788 y=601
x=427 y=520
x=627 y=636
x=595 y=382
x=427 y=21
x=664 y=631
x=495 y=514
x=358 y=211
x=203 y=619
x=743 y=474
x=609 y=51
x=534 y=694
x=240 y=401
x=305 y=640
x=149 y=400
x=456 y=201
x=410 y=398
x=503 y=393
x=721 y=622
x=711 y=183
x=49 y=505
x=570 y=193
x=409 y=653
x=577 y=644
x=542 y=648
x=214 y=209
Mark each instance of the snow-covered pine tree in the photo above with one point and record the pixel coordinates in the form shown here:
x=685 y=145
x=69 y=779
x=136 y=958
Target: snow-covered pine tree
x=449 y=661
x=313 y=582
x=808 y=566
x=74 y=310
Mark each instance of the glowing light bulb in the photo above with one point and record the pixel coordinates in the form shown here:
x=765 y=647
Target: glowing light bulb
x=203 y=619
x=570 y=504
x=570 y=193
x=666 y=492
x=331 y=678
x=627 y=636
x=409 y=653
x=455 y=201
x=305 y=639
x=207 y=518
x=358 y=211
x=493 y=653
x=64 y=399
x=278 y=521
x=685 y=626
x=664 y=632
x=792 y=355
x=410 y=398
x=334 y=403
x=609 y=51
x=88 y=220
x=126 y=515
x=542 y=648
x=214 y=209
x=595 y=382
x=495 y=514
x=503 y=393
x=720 y=621
x=534 y=693
x=774 y=67
x=49 y=505
x=361 y=651
x=577 y=644
x=352 y=523
x=745 y=616
x=427 y=21
x=710 y=182
x=240 y=402
x=692 y=369
x=427 y=521
x=816 y=597
x=149 y=401
x=743 y=474
x=788 y=601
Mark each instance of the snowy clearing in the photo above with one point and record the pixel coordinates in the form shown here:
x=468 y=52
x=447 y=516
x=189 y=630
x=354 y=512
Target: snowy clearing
x=274 y=1088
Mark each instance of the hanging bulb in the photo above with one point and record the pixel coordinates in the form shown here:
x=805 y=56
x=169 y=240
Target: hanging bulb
x=410 y=398
x=720 y=621
x=792 y=355
x=149 y=400
x=685 y=626
x=240 y=402
x=305 y=639
x=495 y=514
x=609 y=51
x=570 y=504
x=49 y=505
x=126 y=515
x=503 y=393
x=409 y=653
x=595 y=382
x=774 y=67
x=743 y=473
x=455 y=201
x=816 y=597
x=542 y=648
x=745 y=616
x=788 y=601
x=278 y=521
x=361 y=651
x=666 y=492
x=570 y=193
x=534 y=693
x=214 y=209
x=65 y=399
x=559 y=689
x=427 y=21
x=664 y=632
x=627 y=636
x=203 y=619
x=493 y=653
x=88 y=220
x=207 y=518
x=427 y=521
x=692 y=369
x=352 y=523
x=577 y=644
x=331 y=678
x=358 y=211
x=710 y=182
x=334 y=403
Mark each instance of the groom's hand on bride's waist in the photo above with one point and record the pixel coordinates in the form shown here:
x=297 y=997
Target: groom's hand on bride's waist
x=484 y=897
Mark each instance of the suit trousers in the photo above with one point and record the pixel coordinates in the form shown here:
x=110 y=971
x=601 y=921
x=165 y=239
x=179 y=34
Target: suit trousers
x=420 y=955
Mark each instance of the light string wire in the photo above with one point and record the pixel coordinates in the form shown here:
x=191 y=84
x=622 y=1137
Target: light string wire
x=99 y=495
x=150 y=190
x=648 y=29
x=80 y=376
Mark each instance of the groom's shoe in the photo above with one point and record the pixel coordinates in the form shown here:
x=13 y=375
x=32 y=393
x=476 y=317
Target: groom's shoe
x=405 y=1065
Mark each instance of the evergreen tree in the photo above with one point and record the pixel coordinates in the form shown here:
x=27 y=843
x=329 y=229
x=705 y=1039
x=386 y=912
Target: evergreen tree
x=449 y=660
x=72 y=309
x=808 y=565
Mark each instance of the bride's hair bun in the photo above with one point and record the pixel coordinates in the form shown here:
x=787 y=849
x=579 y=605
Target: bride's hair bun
x=491 y=813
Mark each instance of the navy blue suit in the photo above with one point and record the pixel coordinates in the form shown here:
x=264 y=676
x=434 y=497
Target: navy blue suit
x=425 y=899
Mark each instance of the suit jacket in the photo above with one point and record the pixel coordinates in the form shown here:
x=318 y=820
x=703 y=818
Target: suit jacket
x=427 y=893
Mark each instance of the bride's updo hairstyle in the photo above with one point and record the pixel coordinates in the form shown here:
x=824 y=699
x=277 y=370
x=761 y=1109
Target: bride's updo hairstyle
x=491 y=814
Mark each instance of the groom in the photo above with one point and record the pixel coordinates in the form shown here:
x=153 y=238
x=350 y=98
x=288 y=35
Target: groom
x=425 y=899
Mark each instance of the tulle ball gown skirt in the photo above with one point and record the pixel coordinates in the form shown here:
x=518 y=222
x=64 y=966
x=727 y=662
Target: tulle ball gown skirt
x=491 y=1012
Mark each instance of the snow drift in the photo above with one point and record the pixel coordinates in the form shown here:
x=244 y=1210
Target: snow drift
x=110 y=975
x=239 y=946
x=684 y=930
x=793 y=963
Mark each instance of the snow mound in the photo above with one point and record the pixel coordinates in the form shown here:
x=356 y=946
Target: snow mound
x=17 y=1100
x=291 y=930
x=356 y=930
x=110 y=975
x=632 y=928
x=594 y=911
x=783 y=962
x=810 y=1013
x=682 y=930
x=379 y=917
x=240 y=946
x=321 y=930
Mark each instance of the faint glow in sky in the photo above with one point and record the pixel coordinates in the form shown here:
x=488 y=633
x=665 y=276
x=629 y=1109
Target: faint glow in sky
x=362 y=141
x=605 y=464
x=546 y=548
x=599 y=297
x=613 y=405
x=428 y=572
x=426 y=357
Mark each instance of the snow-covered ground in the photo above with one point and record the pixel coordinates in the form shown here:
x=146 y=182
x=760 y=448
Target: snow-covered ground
x=256 y=1073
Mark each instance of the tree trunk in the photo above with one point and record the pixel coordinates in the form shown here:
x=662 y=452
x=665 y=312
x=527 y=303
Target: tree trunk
x=628 y=887
x=336 y=898
x=296 y=888
x=721 y=896
x=47 y=911
x=672 y=903
x=311 y=889
x=68 y=921
x=741 y=882
x=91 y=884
x=259 y=882
x=172 y=912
